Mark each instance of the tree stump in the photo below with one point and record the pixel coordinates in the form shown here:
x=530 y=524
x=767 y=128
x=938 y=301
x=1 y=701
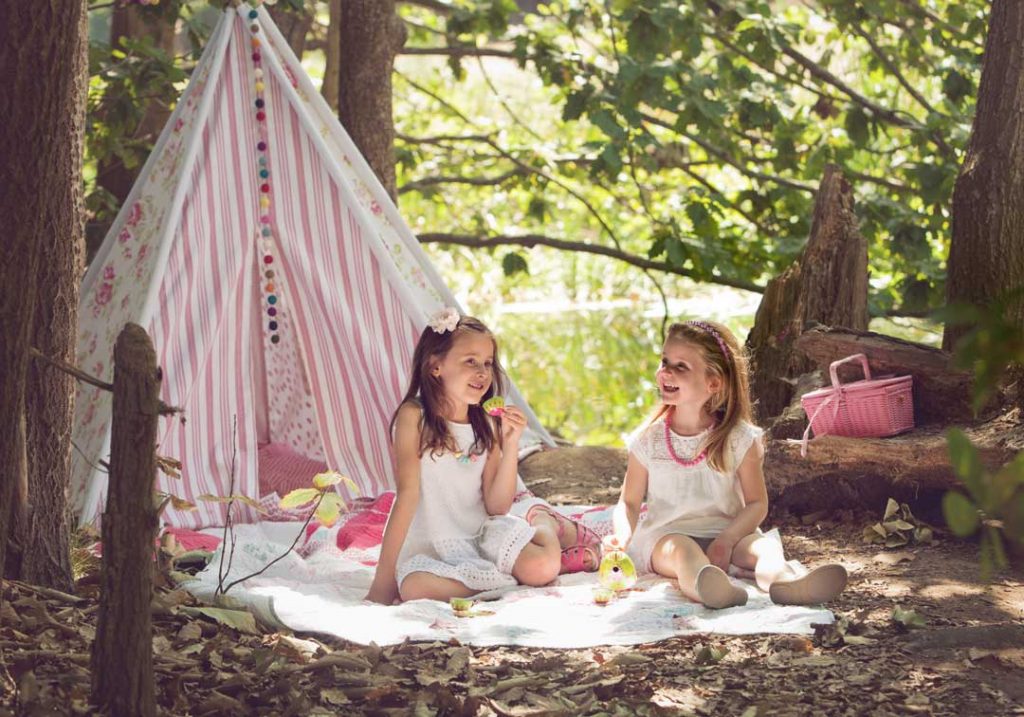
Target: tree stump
x=122 y=654
x=828 y=284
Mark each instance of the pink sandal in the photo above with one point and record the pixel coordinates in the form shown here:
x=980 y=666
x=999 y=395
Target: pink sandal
x=574 y=558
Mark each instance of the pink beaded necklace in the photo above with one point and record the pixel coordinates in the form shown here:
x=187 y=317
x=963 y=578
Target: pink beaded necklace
x=685 y=462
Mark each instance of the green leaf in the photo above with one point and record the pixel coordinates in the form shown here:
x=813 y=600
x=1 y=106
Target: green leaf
x=326 y=480
x=857 y=126
x=237 y=619
x=329 y=509
x=514 y=263
x=299 y=497
x=966 y=463
x=960 y=513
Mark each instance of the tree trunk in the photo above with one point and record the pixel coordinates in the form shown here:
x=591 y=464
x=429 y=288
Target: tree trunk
x=41 y=46
x=986 y=254
x=293 y=24
x=829 y=285
x=332 y=67
x=371 y=35
x=122 y=654
x=132 y=22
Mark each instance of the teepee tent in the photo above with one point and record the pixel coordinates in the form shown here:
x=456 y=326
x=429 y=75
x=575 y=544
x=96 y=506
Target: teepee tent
x=283 y=291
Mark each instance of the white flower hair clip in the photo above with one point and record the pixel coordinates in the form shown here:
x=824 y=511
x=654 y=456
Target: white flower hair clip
x=447 y=319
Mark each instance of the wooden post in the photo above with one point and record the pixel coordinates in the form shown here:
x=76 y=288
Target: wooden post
x=122 y=654
x=829 y=285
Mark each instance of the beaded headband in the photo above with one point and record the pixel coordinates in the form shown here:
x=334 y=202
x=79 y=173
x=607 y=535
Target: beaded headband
x=714 y=333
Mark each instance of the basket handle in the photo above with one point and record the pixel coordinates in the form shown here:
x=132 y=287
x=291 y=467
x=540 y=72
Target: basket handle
x=834 y=367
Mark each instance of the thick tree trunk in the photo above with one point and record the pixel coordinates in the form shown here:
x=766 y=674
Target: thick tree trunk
x=41 y=45
x=371 y=35
x=986 y=255
x=122 y=654
x=332 y=67
x=829 y=285
x=294 y=25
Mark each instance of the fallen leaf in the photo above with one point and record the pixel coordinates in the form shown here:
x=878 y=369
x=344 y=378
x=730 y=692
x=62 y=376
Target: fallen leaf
x=237 y=619
x=908 y=619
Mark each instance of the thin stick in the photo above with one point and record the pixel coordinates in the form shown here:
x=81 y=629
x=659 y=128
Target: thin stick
x=302 y=531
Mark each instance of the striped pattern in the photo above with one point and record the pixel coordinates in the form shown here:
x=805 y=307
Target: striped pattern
x=202 y=327
x=350 y=325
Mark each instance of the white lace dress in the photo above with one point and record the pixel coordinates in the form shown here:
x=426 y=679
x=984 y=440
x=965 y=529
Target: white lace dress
x=451 y=534
x=697 y=500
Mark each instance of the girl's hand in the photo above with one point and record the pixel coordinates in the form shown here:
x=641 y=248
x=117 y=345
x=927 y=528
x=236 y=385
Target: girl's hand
x=720 y=552
x=513 y=422
x=385 y=595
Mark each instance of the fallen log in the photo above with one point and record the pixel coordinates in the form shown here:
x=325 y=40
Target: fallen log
x=841 y=472
x=942 y=392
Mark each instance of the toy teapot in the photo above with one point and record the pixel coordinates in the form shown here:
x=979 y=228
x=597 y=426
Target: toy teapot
x=617 y=571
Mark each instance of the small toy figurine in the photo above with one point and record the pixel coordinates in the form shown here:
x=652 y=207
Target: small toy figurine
x=617 y=571
x=495 y=406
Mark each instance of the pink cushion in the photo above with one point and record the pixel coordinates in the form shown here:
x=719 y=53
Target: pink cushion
x=282 y=469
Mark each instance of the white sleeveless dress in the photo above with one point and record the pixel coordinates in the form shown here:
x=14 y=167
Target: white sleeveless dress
x=696 y=501
x=452 y=534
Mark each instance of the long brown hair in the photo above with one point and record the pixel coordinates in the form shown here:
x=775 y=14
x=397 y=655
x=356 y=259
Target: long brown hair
x=427 y=391
x=731 y=404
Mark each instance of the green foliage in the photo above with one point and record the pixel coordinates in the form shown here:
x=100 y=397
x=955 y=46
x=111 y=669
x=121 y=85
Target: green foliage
x=328 y=503
x=734 y=106
x=994 y=503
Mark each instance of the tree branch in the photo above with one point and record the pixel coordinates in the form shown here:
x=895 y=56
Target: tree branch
x=441 y=8
x=474 y=181
x=889 y=65
x=724 y=156
x=460 y=51
x=75 y=372
x=532 y=240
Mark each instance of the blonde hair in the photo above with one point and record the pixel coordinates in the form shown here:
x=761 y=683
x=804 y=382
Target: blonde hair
x=725 y=359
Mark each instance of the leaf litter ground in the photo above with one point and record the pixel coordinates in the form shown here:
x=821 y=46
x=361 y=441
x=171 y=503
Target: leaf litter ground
x=917 y=632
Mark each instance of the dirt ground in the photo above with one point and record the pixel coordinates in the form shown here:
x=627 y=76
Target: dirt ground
x=957 y=648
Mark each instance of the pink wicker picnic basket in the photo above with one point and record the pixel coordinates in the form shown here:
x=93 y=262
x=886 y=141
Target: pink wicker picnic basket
x=872 y=408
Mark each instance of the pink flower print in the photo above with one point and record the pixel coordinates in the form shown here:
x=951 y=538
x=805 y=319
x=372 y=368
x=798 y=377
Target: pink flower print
x=104 y=294
x=134 y=215
x=108 y=273
x=376 y=208
x=179 y=123
x=291 y=77
x=143 y=250
x=97 y=369
x=90 y=413
x=124 y=236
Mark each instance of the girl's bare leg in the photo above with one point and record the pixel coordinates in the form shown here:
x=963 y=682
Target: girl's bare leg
x=677 y=556
x=543 y=520
x=786 y=587
x=427 y=586
x=539 y=562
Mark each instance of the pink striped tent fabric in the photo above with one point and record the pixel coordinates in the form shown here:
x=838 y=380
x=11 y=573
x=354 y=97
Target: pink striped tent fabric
x=254 y=191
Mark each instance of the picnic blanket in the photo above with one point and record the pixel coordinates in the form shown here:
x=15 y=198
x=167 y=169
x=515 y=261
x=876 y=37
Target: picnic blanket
x=319 y=588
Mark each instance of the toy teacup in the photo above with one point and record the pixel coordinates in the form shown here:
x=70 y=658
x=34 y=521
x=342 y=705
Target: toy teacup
x=617 y=571
x=461 y=605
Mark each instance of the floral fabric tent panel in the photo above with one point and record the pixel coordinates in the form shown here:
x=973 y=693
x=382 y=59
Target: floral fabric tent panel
x=283 y=291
